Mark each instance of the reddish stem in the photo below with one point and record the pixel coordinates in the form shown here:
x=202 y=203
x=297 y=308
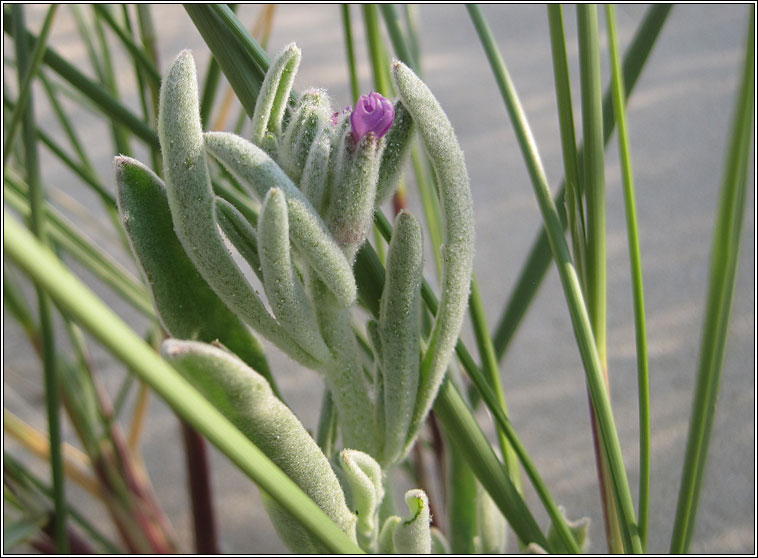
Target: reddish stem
x=198 y=476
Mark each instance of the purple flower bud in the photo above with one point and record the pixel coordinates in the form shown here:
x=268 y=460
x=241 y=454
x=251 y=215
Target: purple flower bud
x=373 y=113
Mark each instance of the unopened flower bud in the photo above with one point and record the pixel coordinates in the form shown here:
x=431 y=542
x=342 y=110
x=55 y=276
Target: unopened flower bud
x=373 y=113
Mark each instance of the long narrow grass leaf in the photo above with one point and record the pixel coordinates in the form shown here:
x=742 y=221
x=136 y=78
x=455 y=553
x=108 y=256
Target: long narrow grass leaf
x=574 y=203
x=392 y=21
x=108 y=80
x=569 y=279
x=67 y=236
x=355 y=89
x=35 y=58
x=38 y=228
x=134 y=49
x=241 y=58
x=635 y=262
x=539 y=258
x=469 y=440
x=594 y=274
x=724 y=259
x=491 y=369
x=92 y=90
x=18 y=469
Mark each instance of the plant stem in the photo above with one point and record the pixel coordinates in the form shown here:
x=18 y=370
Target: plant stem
x=199 y=479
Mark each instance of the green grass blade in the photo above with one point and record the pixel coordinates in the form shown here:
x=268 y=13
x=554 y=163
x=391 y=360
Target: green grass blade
x=94 y=91
x=411 y=20
x=23 y=96
x=83 y=171
x=38 y=228
x=463 y=496
x=210 y=87
x=569 y=280
x=83 y=306
x=242 y=59
x=594 y=173
x=143 y=88
x=539 y=257
x=137 y=53
x=347 y=27
x=492 y=372
x=635 y=261
x=67 y=236
x=574 y=204
x=379 y=66
x=149 y=44
x=83 y=27
x=724 y=258
x=595 y=265
x=402 y=50
x=120 y=136
x=65 y=122
x=470 y=441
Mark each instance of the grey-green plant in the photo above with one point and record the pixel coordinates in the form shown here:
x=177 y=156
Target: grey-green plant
x=304 y=156
x=270 y=236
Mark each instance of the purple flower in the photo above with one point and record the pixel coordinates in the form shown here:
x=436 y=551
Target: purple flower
x=373 y=113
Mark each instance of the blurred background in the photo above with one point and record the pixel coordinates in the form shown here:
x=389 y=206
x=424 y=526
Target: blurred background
x=679 y=116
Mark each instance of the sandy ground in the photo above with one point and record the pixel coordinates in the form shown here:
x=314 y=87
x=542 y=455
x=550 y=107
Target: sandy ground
x=678 y=118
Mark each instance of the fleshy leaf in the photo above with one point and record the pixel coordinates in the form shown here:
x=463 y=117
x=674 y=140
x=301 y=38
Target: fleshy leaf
x=386 y=543
x=399 y=318
x=397 y=146
x=351 y=207
x=579 y=529
x=187 y=307
x=245 y=398
x=310 y=118
x=274 y=94
x=191 y=200
x=240 y=233
x=363 y=479
x=458 y=217
x=257 y=171
x=280 y=280
x=412 y=535
x=492 y=528
x=344 y=372
x=315 y=180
